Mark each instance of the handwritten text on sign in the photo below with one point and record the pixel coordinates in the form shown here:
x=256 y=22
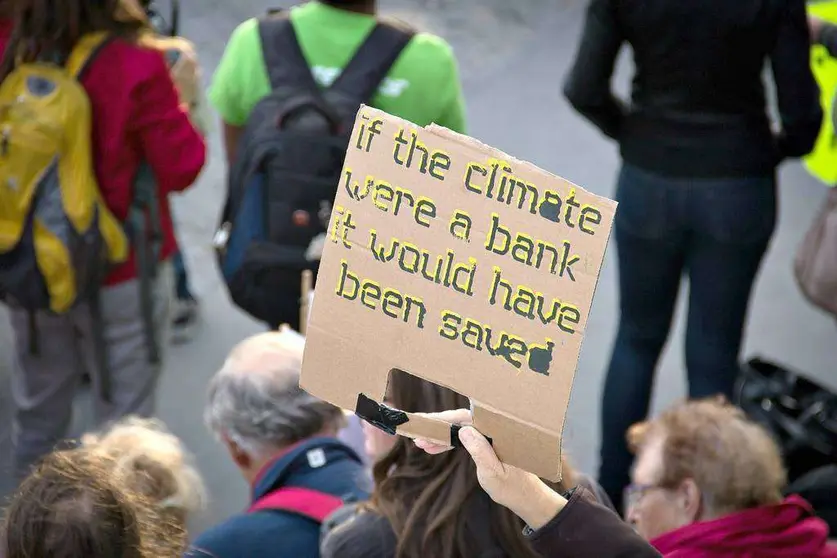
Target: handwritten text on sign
x=494 y=180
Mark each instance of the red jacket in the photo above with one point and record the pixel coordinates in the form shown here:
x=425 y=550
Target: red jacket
x=137 y=117
x=786 y=530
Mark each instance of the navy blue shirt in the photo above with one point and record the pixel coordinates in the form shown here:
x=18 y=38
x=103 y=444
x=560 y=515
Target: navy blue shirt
x=280 y=534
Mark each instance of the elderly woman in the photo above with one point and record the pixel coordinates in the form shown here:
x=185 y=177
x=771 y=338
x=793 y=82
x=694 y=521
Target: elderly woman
x=707 y=482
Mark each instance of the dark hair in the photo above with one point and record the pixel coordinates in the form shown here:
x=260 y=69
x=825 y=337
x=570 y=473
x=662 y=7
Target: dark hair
x=49 y=29
x=432 y=501
x=70 y=507
x=349 y=4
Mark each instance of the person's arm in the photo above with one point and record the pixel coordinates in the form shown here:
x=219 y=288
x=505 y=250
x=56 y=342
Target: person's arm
x=797 y=91
x=452 y=116
x=232 y=135
x=231 y=84
x=170 y=144
x=584 y=528
x=587 y=86
x=560 y=528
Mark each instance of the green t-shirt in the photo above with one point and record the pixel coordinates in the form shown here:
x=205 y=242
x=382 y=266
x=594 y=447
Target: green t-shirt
x=422 y=86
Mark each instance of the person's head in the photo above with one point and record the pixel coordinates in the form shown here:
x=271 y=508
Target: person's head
x=697 y=461
x=256 y=407
x=153 y=462
x=49 y=29
x=432 y=500
x=71 y=506
x=360 y=6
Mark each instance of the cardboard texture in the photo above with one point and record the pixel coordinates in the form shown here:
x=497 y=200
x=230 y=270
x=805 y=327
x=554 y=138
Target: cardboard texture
x=456 y=263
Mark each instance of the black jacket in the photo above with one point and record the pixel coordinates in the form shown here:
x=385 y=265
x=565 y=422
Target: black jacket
x=586 y=529
x=698 y=104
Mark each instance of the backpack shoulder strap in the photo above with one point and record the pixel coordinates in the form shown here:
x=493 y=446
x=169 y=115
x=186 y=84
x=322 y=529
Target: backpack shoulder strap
x=373 y=60
x=85 y=51
x=283 y=57
x=306 y=502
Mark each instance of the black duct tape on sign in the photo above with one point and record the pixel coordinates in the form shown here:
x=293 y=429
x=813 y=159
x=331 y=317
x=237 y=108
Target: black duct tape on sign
x=454 y=436
x=379 y=415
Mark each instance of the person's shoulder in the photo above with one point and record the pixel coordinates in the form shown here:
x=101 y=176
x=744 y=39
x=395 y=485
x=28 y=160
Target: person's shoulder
x=247 y=29
x=358 y=531
x=132 y=49
x=243 y=48
x=134 y=62
x=121 y=67
x=783 y=7
x=429 y=47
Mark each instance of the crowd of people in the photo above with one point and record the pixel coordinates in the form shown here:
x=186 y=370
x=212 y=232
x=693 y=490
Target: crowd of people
x=697 y=197
x=707 y=482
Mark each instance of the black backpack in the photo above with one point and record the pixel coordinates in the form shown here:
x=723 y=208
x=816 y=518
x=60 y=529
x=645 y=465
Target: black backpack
x=799 y=413
x=287 y=168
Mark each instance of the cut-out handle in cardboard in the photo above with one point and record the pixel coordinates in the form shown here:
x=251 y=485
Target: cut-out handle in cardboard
x=517 y=443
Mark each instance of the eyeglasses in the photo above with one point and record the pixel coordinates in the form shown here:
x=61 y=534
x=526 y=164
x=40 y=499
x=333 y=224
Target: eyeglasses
x=634 y=493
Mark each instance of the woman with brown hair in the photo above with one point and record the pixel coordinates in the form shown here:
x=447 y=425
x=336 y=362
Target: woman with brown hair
x=425 y=505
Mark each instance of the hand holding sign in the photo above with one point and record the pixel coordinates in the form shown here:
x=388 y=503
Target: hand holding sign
x=523 y=493
x=454 y=262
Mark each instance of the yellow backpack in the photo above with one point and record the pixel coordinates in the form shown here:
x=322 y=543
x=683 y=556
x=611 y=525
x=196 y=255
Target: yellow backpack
x=57 y=237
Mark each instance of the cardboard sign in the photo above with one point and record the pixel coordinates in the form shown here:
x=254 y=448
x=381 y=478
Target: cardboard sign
x=456 y=263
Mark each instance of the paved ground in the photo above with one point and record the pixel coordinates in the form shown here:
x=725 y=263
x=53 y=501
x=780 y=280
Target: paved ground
x=513 y=58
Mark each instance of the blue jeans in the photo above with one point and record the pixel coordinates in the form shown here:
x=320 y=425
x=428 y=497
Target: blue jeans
x=715 y=232
x=181 y=278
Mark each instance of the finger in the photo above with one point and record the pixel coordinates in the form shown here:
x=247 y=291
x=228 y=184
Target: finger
x=457 y=416
x=481 y=451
